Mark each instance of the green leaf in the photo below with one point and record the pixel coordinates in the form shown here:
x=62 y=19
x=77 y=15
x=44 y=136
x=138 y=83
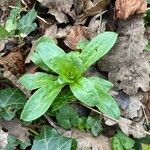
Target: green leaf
x=107 y=104
x=13 y=143
x=82 y=44
x=11 y=23
x=98 y=47
x=127 y=142
x=145 y=147
x=26 y=25
x=3 y=32
x=86 y=91
x=37 y=80
x=64 y=96
x=116 y=144
x=36 y=57
x=49 y=51
x=38 y=61
x=122 y=142
x=67 y=117
x=69 y=68
x=49 y=139
x=11 y=100
x=102 y=83
x=40 y=101
x=94 y=125
x=82 y=122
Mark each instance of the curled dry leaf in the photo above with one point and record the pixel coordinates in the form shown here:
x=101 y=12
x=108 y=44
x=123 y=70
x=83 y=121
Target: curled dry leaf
x=14 y=62
x=91 y=8
x=130 y=128
x=76 y=34
x=125 y=8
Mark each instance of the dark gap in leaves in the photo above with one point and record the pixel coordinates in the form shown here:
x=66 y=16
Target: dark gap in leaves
x=63 y=45
x=71 y=21
x=87 y=21
x=109 y=131
x=9 y=46
x=41 y=10
x=118 y=81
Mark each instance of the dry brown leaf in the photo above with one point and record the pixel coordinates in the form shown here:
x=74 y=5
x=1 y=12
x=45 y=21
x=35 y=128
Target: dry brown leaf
x=3 y=139
x=76 y=34
x=60 y=16
x=130 y=128
x=58 y=8
x=86 y=141
x=127 y=63
x=134 y=106
x=14 y=62
x=125 y=8
x=91 y=8
x=16 y=129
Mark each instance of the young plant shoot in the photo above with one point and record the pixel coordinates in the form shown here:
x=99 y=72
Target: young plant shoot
x=69 y=69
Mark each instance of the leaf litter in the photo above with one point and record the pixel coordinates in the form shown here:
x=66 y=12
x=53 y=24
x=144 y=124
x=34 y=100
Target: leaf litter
x=127 y=64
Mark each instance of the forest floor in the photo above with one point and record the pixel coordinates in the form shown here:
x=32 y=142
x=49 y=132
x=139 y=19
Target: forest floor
x=74 y=74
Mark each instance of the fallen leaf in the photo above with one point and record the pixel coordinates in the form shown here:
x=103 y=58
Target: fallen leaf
x=130 y=128
x=60 y=16
x=125 y=8
x=3 y=139
x=86 y=141
x=76 y=34
x=127 y=63
x=134 y=106
x=14 y=62
x=16 y=129
x=92 y=8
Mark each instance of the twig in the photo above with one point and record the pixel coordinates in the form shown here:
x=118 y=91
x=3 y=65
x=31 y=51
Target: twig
x=51 y=122
x=117 y=121
x=147 y=122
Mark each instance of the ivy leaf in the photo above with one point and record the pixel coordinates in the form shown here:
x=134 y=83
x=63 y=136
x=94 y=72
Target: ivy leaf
x=122 y=141
x=13 y=143
x=67 y=117
x=116 y=144
x=102 y=83
x=26 y=25
x=37 y=80
x=94 y=125
x=40 y=101
x=49 y=139
x=11 y=23
x=12 y=100
x=3 y=32
x=49 y=51
x=98 y=47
